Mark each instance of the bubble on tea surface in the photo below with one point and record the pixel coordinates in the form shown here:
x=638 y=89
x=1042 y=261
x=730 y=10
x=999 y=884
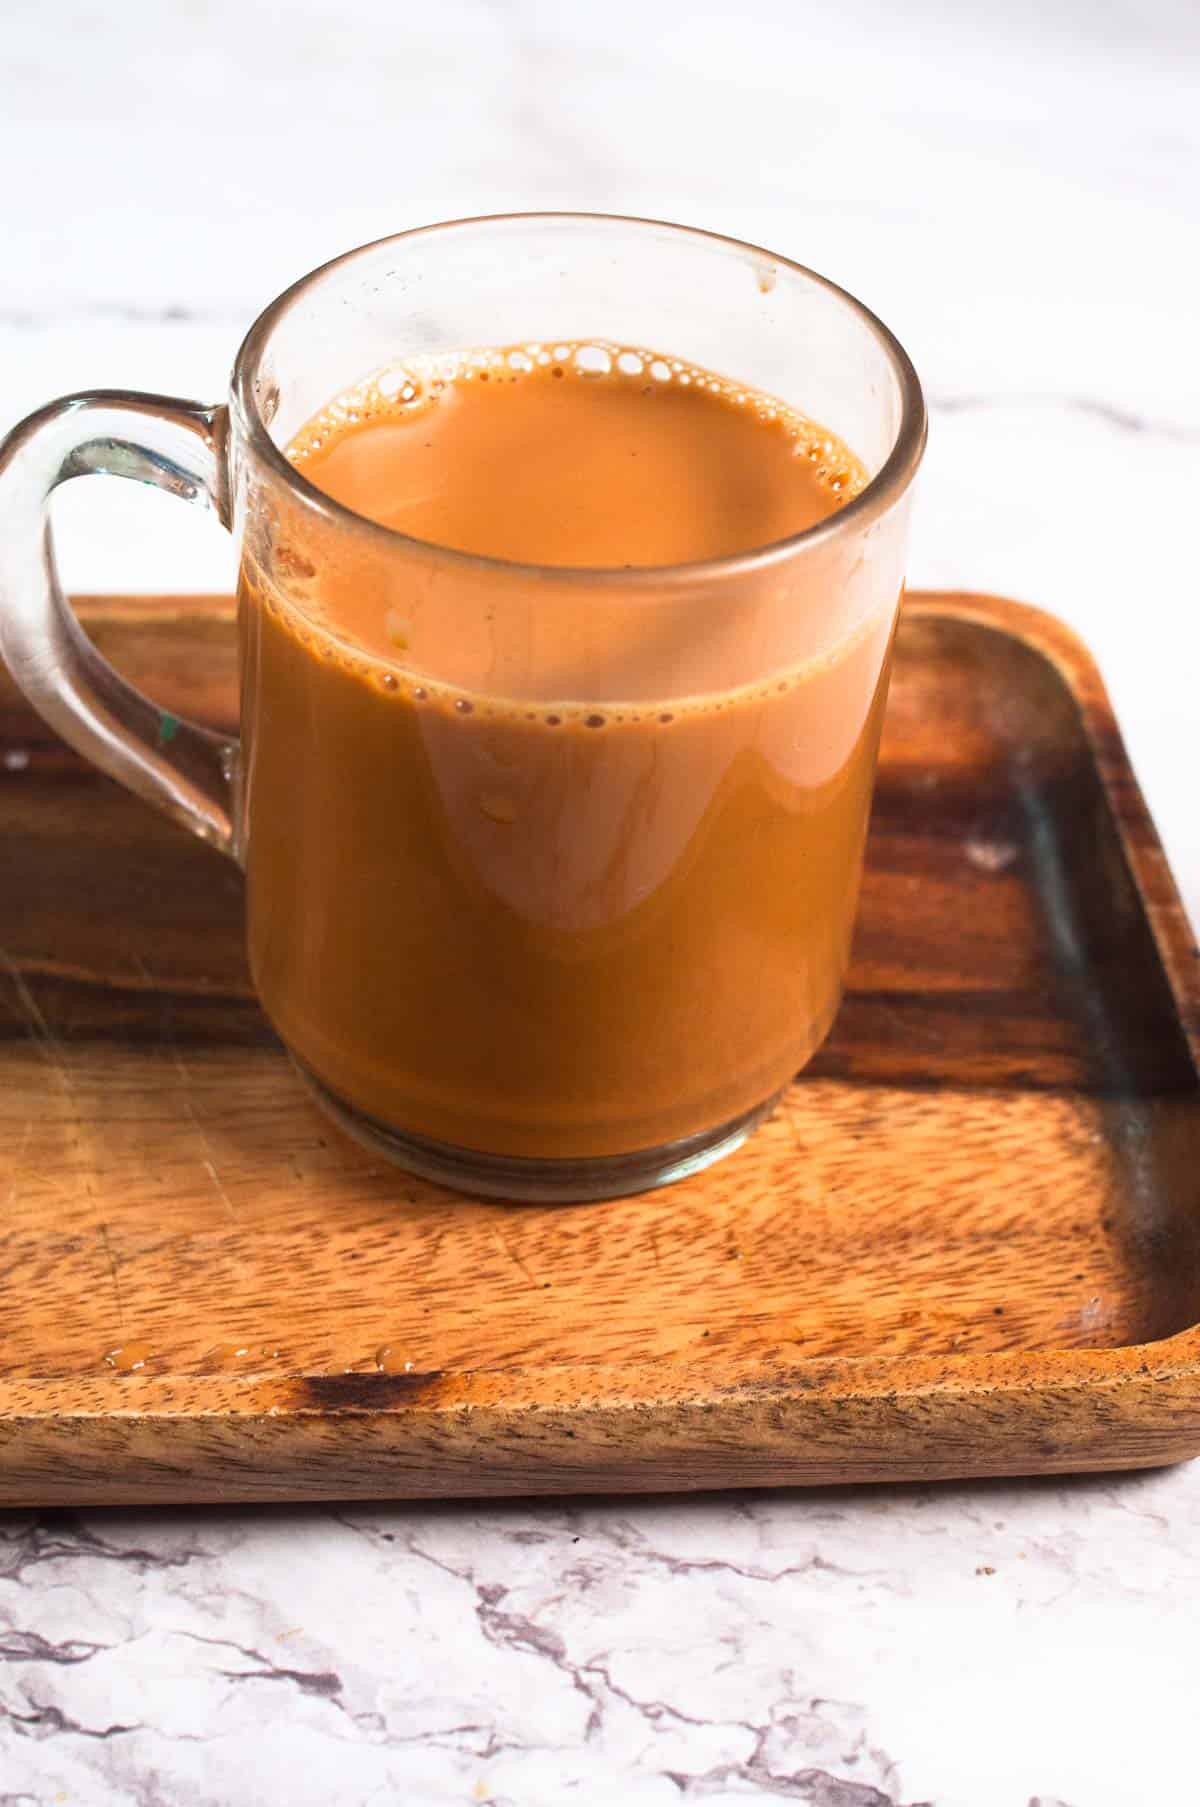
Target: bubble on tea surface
x=594 y=360
x=397 y=383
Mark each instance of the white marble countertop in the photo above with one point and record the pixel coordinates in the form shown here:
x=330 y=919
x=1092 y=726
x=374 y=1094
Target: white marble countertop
x=1017 y=191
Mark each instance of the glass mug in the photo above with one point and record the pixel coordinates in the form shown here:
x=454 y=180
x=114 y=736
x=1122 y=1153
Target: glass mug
x=550 y=882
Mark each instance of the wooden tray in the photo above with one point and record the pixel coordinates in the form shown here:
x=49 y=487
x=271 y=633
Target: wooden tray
x=968 y=1243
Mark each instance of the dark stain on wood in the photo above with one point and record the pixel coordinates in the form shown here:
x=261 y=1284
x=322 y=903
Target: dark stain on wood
x=366 y=1392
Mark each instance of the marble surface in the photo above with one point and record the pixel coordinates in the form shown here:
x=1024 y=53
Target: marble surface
x=1017 y=191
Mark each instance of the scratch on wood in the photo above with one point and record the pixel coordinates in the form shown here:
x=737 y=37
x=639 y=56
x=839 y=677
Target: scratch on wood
x=516 y=1258
x=218 y=1182
x=791 y=1117
x=35 y=1022
x=112 y=1268
x=17 y=1157
x=49 y=1048
x=209 y=1164
x=174 y=1054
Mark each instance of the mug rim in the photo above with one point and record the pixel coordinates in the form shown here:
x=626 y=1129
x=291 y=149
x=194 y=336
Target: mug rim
x=879 y=495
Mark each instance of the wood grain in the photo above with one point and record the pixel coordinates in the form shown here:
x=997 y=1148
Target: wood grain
x=968 y=1242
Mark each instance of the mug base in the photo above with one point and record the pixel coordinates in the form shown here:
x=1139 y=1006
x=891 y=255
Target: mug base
x=574 y=1181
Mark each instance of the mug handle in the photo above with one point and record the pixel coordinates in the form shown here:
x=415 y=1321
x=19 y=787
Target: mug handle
x=178 y=446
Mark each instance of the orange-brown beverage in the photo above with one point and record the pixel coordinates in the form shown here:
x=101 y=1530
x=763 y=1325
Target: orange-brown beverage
x=605 y=916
